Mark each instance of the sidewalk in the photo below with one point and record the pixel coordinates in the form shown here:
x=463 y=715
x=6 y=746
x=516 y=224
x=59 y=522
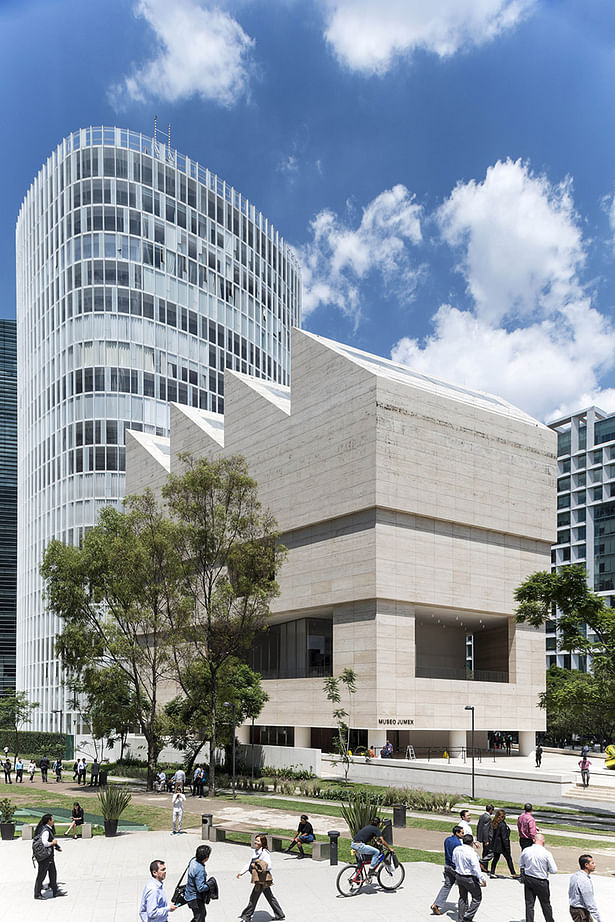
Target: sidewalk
x=105 y=877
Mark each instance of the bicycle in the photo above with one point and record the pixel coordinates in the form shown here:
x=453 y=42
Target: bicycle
x=390 y=874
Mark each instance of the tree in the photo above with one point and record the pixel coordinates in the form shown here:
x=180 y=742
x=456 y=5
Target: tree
x=116 y=595
x=230 y=555
x=333 y=687
x=15 y=710
x=579 y=609
x=579 y=703
x=189 y=716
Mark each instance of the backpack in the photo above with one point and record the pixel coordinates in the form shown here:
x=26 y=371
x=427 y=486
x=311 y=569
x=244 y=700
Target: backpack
x=40 y=852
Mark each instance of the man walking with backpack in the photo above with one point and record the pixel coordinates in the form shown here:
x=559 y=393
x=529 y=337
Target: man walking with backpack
x=44 y=844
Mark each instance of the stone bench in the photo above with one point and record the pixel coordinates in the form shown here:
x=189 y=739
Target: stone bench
x=27 y=831
x=320 y=850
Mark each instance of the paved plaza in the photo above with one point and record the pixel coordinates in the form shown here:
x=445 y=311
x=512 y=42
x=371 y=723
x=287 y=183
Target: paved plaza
x=105 y=877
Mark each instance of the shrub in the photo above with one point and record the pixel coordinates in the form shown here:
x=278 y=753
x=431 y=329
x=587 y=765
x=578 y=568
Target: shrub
x=357 y=812
x=113 y=801
x=7 y=810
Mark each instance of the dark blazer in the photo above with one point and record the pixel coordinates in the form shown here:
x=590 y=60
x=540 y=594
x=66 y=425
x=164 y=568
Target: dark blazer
x=500 y=841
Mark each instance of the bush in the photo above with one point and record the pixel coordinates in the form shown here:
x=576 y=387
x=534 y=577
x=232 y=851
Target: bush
x=113 y=801
x=357 y=812
x=289 y=774
x=7 y=810
x=34 y=744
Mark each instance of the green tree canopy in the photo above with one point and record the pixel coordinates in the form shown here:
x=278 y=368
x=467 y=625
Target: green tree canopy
x=116 y=595
x=16 y=710
x=230 y=554
x=579 y=703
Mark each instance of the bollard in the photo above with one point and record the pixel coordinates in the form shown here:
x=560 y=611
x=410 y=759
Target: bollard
x=333 y=837
x=207 y=821
x=399 y=815
x=387 y=832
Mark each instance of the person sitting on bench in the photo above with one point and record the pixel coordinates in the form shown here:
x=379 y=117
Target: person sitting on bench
x=305 y=833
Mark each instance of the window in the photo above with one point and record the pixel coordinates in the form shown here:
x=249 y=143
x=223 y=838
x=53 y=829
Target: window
x=295 y=649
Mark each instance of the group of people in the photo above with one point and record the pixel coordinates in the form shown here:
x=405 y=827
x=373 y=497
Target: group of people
x=200 y=889
x=177 y=781
x=499 y=741
x=464 y=868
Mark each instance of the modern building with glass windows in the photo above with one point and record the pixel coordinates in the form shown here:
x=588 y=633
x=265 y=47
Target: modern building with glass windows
x=585 y=510
x=8 y=502
x=141 y=276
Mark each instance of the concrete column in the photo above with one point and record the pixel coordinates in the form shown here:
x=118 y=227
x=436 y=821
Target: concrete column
x=527 y=742
x=303 y=737
x=243 y=734
x=377 y=739
x=456 y=742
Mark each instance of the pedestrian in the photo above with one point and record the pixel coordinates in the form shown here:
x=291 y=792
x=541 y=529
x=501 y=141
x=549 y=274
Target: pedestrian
x=361 y=843
x=83 y=767
x=196 y=884
x=305 y=835
x=58 y=767
x=538 y=755
x=464 y=822
x=260 y=867
x=203 y=780
x=177 y=802
x=450 y=844
x=44 y=846
x=585 y=751
x=32 y=769
x=483 y=831
x=508 y=744
x=584 y=765
x=77 y=820
x=469 y=879
x=196 y=780
x=18 y=770
x=8 y=768
x=179 y=779
x=581 y=892
x=526 y=825
x=536 y=863
x=44 y=766
x=154 y=906
x=76 y=769
x=94 y=773
x=500 y=843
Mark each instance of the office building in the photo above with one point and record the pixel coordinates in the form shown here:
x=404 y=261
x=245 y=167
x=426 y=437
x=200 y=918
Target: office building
x=411 y=510
x=141 y=276
x=585 y=510
x=8 y=502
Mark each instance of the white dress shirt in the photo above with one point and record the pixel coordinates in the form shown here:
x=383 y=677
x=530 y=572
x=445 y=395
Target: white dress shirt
x=465 y=860
x=536 y=861
x=467 y=829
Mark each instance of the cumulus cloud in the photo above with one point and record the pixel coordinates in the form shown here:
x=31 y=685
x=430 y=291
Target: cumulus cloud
x=367 y=35
x=339 y=255
x=531 y=333
x=200 y=51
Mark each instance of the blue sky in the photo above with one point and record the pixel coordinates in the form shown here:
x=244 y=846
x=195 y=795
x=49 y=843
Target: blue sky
x=445 y=170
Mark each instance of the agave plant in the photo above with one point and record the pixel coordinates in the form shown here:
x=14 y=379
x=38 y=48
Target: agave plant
x=113 y=801
x=358 y=812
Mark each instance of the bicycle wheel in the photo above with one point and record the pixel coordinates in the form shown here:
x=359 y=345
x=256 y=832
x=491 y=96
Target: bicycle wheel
x=349 y=880
x=391 y=877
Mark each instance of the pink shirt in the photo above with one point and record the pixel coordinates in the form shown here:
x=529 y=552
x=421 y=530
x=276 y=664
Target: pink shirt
x=526 y=824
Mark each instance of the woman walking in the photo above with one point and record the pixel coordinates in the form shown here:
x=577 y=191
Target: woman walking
x=46 y=863
x=585 y=766
x=260 y=867
x=196 y=885
x=500 y=842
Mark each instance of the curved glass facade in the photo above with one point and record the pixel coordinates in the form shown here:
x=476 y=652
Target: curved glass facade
x=141 y=276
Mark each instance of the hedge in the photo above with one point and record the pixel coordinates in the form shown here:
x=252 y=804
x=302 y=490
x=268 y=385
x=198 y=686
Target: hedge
x=34 y=744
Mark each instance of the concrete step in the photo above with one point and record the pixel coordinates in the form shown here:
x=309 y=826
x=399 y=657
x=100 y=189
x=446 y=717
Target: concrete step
x=593 y=792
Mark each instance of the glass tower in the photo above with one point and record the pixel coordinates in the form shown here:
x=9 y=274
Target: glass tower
x=8 y=501
x=141 y=276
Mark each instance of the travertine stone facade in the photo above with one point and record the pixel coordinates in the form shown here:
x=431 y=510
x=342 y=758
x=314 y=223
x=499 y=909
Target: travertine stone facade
x=411 y=510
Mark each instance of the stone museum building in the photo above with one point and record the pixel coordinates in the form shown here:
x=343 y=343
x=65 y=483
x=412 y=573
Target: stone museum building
x=411 y=509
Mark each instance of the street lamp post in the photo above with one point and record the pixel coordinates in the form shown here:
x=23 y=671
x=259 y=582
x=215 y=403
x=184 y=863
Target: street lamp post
x=234 y=706
x=470 y=707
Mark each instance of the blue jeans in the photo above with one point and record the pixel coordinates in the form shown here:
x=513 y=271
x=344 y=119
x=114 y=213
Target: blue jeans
x=366 y=850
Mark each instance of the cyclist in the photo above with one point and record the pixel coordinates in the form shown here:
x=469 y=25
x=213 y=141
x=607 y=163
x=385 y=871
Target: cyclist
x=361 y=843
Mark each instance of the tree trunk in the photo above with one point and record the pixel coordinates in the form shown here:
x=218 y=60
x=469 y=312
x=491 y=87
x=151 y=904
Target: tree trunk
x=153 y=751
x=214 y=737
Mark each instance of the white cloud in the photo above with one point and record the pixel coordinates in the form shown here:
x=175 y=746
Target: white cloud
x=532 y=334
x=368 y=35
x=200 y=51
x=340 y=256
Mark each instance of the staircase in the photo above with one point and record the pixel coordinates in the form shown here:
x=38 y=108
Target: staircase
x=594 y=792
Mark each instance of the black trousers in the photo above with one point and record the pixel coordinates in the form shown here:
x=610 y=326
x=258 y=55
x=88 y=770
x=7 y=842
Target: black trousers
x=507 y=856
x=537 y=887
x=44 y=774
x=44 y=867
x=469 y=889
x=525 y=843
x=199 y=910
x=248 y=912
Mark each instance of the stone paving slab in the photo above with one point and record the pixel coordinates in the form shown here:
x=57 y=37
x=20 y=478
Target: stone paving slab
x=105 y=877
